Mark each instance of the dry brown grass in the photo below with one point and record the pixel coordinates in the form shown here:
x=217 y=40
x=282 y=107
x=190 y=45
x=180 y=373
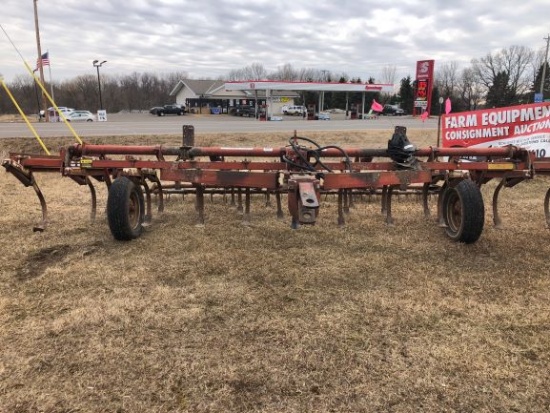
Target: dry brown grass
x=229 y=318
x=17 y=118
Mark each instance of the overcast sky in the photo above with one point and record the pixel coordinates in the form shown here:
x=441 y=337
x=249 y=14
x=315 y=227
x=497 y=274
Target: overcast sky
x=207 y=39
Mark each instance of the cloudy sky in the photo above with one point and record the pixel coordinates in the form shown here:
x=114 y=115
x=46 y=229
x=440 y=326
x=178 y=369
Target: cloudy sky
x=207 y=38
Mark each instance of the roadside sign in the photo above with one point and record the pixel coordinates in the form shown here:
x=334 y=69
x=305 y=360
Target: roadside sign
x=538 y=97
x=102 y=115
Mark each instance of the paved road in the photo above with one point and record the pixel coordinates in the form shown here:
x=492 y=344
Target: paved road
x=145 y=124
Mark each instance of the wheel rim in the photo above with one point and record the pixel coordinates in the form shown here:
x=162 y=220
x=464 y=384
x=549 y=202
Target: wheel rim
x=134 y=210
x=454 y=211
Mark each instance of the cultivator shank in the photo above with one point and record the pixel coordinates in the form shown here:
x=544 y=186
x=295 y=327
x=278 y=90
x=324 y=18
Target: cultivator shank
x=302 y=171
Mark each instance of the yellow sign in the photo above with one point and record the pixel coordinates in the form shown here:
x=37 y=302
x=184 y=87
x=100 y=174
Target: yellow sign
x=500 y=166
x=85 y=163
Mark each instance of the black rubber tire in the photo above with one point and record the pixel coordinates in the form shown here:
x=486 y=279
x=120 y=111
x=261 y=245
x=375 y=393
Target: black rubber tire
x=125 y=209
x=463 y=211
x=160 y=113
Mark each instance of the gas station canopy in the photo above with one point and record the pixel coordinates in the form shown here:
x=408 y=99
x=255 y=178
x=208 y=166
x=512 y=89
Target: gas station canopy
x=308 y=86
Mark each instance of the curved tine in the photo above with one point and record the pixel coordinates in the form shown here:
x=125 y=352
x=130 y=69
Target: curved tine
x=425 y=194
x=42 y=225
x=389 y=218
x=108 y=180
x=440 y=220
x=351 y=201
x=199 y=204
x=384 y=200
x=160 y=192
x=240 y=201
x=546 y=211
x=94 y=198
x=496 y=217
x=148 y=214
x=346 y=201
x=246 y=215
x=280 y=214
x=341 y=220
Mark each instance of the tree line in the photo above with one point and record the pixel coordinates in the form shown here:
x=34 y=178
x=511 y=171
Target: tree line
x=134 y=92
x=507 y=77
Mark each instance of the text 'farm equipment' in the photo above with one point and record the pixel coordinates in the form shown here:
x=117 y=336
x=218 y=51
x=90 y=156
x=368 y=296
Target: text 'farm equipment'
x=300 y=171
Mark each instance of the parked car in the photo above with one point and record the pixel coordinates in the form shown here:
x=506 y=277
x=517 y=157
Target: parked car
x=323 y=116
x=393 y=110
x=174 y=109
x=294 y=110
x=80 y=116
x=243 y=110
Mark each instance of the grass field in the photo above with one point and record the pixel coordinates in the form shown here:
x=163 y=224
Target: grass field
x=262 y=318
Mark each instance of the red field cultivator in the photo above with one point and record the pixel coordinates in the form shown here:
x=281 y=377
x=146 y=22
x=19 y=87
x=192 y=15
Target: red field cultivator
x=301 y=171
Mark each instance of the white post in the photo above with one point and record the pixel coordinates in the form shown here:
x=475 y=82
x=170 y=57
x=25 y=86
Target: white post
x=50 y=71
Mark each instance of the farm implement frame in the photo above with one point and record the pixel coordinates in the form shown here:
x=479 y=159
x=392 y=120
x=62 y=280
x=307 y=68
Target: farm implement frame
x=302 y=171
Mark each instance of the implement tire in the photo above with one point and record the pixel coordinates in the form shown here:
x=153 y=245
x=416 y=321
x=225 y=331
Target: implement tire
x=463 y=212
x=125 y=209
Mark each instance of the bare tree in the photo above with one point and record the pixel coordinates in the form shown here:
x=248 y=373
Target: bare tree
x=469 y=90
x=447 y=79
x=389 y=74
x=26 y=93
x=514 y=62
x=307 y=75
x=235 y=75
x=80 y=92
x=285 y=73
x=256 y=71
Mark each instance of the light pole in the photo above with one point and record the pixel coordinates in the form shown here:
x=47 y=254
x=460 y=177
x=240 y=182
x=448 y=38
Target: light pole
x=543 y=78
x=97 y=64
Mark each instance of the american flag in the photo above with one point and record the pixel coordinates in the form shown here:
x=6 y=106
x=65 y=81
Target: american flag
x=44 y=61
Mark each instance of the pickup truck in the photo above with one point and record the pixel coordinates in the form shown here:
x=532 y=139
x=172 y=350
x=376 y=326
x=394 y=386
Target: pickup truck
x=393 y=110
x=168 y=110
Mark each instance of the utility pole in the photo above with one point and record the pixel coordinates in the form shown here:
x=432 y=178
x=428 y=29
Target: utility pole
x=547 y=38
x=39 y=61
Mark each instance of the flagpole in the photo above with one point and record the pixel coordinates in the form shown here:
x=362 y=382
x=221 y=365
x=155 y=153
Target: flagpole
x=50 y=70
x=41 y=68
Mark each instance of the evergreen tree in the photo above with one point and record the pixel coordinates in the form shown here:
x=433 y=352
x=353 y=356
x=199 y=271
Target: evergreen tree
x=500 y=94
x=436 y=108
x=406 y=91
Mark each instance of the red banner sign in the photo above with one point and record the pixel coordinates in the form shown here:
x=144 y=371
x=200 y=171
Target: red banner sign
x=527 y=126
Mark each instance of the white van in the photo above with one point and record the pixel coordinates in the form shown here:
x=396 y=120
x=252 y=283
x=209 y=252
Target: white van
x=294 y=110
x=54 y=114
x=63 y=109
